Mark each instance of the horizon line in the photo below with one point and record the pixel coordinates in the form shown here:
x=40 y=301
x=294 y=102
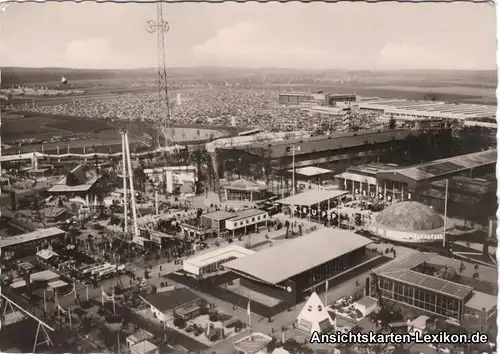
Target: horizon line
x=237 y=67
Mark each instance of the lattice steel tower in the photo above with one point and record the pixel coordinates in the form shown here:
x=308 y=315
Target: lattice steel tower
x=160 y=26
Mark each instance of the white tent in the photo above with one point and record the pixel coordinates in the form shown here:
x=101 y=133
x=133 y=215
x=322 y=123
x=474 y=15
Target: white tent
x=314 y=317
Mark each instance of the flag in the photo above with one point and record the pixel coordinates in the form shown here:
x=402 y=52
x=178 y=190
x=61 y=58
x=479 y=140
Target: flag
x=248 y=309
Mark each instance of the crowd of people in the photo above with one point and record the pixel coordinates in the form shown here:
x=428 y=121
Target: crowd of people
x=223 y=106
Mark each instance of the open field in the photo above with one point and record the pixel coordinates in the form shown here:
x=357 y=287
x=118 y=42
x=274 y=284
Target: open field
x=18 y=126
x=88 y=131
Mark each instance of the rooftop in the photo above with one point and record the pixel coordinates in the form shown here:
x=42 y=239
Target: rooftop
x=480 y=301
x=298 y=255
x=219 y=215
x=253 y=343
x=401 y=270
x=46 y=254
x=335 y=141
x=30 y=236
x=45 y=275
x=296 y=94
x=57 y=284
x=409 y=216
x=372 y=168
x=78 y=180
x=311 y=171
x=247 y=214
x=140 y=335
x=61 y=186
x=311 y=197
x=54 y=212
x=171 y=300
x=218 y=254
x=244 y=185
x=431 y=107
x=143 y=347
x=446 y=166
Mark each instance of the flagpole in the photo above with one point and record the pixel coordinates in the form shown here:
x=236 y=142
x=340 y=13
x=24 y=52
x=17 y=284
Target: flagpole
x=249 y=313
x=326 y=293
x=293 y=169
x=69 y=315
x=445 y=212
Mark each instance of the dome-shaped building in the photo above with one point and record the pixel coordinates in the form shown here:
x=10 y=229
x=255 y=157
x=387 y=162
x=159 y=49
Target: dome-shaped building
x=409 y=222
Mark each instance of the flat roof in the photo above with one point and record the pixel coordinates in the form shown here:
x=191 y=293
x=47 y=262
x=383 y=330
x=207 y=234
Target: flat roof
x=143 y=347
x=18 y=284
x=446 y=166
x=311 y=171
x=218 y=254
x=61 y=186
x=45 y=275
x=409 y=261
x=140 y=335
x=480 y=300
x=30 y=236
x=46 y=254
x=372 y=168
x=429 y=282
x=316 y=144
x=253 y=343
x=248 y=214
x=401 y=270
x=276 y=264
x=311 y=197
x=244 y=185
x=295 y=94
x=57 y=284
x=219 y=215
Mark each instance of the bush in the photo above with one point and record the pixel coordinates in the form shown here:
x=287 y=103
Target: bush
x=114 y=319
x=214 y=335
x=213 y=317
x=203 y=311
x=101 y=311
x=179 y=323
x=85 y=305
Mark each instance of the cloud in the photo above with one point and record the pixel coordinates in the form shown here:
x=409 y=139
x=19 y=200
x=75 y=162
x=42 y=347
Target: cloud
x=251 y=44
x=89 y=53
x=411 y=56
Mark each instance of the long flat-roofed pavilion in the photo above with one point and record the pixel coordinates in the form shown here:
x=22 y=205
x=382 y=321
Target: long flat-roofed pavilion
x=288 y=269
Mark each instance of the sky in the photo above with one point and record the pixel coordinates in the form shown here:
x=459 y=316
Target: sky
x=350 y=36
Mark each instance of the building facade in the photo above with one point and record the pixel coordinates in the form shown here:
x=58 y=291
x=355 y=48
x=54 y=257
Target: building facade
x=294 y=98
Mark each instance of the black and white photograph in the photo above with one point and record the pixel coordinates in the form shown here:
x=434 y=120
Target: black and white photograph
x=248 y=177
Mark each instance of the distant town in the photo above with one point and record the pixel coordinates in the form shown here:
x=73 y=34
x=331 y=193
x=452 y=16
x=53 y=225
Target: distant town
x=245 y=215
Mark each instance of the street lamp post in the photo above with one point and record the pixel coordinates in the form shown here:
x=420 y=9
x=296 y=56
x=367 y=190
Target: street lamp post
x=294 y=148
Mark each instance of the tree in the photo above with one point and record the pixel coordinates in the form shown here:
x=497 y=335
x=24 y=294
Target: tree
x=392 y=123
x=462 y=267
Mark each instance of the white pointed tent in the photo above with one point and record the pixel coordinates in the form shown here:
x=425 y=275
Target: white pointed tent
x=314 y=317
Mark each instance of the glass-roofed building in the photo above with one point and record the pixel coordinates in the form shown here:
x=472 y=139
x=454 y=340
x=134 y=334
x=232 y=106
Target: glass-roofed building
x=405 y=281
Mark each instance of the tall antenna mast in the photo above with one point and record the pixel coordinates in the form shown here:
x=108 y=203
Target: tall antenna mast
x=160 y=26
